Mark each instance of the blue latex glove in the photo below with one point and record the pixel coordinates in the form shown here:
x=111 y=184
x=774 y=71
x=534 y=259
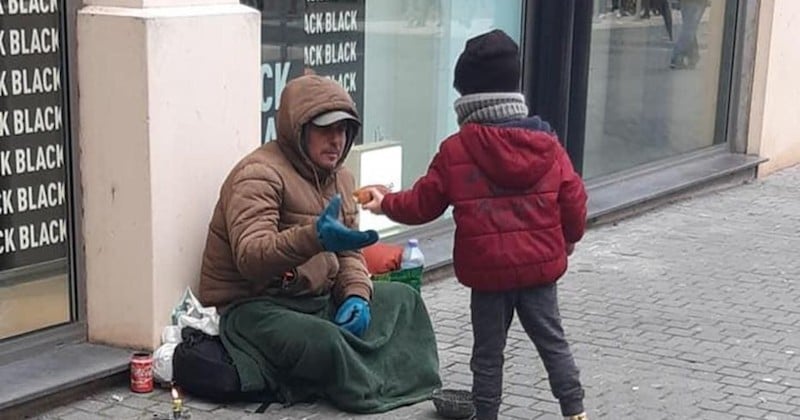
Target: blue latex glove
x=353 y=315
x=335 y=236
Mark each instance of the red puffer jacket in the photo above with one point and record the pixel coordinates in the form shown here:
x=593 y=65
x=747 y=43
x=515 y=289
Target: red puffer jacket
x=516 y=200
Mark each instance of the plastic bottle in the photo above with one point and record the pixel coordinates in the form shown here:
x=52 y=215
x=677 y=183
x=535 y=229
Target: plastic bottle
x=412 y=256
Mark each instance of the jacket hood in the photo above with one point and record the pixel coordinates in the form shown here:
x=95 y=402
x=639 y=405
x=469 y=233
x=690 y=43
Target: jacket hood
x=511 y=157
x=303 y=99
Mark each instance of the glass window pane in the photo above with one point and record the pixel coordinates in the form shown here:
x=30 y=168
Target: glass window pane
x=411 y=50
x=395 y=57
x=35 y=288
x=32 y=305
x=653 y=81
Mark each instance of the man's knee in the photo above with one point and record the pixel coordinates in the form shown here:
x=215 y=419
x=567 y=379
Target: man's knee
x=298 y=338
x=394 y=288
x=395 y=293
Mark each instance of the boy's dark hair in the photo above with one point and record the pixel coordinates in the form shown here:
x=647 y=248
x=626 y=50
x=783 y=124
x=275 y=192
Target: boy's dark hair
x=489 y=63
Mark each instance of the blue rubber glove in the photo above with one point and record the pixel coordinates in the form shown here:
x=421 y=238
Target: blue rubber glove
x=353 y=315
x=335 y=236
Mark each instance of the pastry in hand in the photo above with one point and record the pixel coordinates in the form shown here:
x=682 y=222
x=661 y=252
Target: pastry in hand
x=363 y=196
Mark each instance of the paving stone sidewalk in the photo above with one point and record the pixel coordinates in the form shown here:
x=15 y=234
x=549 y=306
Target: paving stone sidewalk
x=690 y=311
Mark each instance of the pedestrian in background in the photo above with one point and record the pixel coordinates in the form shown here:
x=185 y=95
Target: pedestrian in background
x=686 y=51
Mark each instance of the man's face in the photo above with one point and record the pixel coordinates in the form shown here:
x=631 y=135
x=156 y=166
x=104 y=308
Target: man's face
x=326 y=144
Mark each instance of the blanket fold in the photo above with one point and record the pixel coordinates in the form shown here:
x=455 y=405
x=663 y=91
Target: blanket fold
x=291 y=347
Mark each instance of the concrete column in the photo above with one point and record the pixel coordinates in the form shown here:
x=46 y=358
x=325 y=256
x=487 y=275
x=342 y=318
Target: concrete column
x=169 y=101
x=774 y=122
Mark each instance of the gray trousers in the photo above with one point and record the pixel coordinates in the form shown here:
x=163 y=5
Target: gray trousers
x=686 y=44
x=538 y=313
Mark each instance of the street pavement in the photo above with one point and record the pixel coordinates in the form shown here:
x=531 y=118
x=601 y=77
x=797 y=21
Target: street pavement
x=690 y=311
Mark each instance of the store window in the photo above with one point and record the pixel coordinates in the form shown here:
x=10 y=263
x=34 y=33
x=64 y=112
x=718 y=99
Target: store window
x=658 y=81
x=411 y=49
x=395 y=58
x=35 y=287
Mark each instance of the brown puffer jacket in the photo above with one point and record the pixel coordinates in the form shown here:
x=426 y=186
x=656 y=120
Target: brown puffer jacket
x=263 y=225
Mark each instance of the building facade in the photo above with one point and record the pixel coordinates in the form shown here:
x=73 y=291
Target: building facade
x=119 y=119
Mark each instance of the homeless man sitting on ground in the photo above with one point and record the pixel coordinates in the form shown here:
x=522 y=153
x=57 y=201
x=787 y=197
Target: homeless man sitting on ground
x=300 y=316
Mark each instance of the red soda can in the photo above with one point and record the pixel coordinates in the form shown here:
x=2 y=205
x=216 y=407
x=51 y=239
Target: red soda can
x=141 y=372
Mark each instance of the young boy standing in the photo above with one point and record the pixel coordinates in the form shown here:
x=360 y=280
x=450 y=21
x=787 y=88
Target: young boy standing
x=519 y=207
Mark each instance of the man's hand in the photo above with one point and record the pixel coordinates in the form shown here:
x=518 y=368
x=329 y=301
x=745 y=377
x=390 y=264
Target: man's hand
x=353 y=315
x=374 y=205
x=336 y=237
x=570 y=248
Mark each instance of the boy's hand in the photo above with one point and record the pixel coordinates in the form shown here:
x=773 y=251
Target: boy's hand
x=570 y=249
x=363 y=195
x=374 y=205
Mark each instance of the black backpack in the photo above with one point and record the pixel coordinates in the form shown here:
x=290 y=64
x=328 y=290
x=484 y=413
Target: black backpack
x=202 y=367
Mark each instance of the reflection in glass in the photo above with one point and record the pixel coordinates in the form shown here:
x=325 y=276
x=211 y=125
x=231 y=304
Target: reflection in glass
x=32 y=305
x=402 y=65
x=653 y=81
x=411 y=49
x=35 y=235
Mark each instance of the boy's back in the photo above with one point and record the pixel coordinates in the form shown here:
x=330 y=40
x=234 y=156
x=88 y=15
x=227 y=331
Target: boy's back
x=518 y=206
x=517 y=203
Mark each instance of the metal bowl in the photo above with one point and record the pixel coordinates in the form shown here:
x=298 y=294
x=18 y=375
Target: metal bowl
x=453 y=403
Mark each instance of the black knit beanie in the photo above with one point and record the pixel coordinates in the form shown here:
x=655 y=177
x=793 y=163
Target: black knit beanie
x=489 y=63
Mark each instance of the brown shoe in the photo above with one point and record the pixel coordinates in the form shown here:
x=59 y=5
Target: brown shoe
x=581 y=416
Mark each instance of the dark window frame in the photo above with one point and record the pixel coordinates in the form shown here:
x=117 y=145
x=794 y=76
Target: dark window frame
x=76 y=329
x=556 y=45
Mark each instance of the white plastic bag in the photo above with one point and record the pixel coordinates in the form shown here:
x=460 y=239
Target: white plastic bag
x=162 y=362
x=171 y=334
x=190 y=313
x=162 y=357
x=187 y=313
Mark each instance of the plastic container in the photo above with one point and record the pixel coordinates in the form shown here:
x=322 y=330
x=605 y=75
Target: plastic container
x=411 y=277
x=412 y=256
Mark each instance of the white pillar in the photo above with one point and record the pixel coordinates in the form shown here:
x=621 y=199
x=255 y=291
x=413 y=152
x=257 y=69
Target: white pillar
x=776 y=87
x=169 y=101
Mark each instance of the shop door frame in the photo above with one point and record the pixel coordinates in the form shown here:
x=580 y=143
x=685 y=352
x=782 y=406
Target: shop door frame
x=74 y=331
x=555 y=67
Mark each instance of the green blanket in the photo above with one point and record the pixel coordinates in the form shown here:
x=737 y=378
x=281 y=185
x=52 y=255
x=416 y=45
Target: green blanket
x=290 y=347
